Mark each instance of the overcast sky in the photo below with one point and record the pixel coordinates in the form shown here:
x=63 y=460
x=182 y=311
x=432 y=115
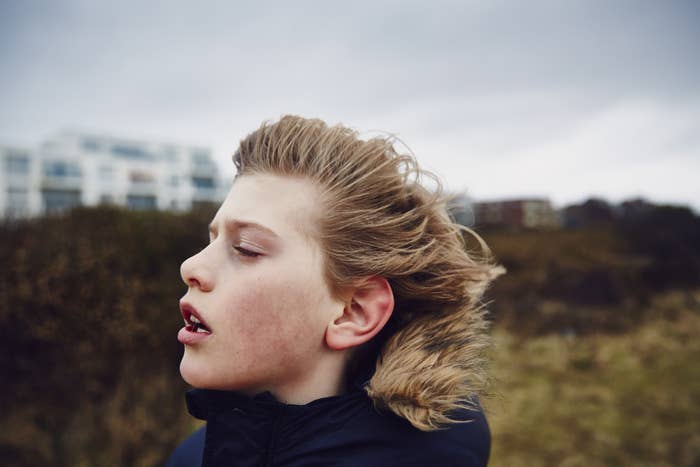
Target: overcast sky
x=559 y=99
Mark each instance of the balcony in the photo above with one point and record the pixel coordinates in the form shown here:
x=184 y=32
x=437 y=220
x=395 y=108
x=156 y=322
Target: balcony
x=140 y=202
x=142 y=183
x=61 y=182
x=205 y=189
x=59 y=200
x=204 y=168
x=61 y=175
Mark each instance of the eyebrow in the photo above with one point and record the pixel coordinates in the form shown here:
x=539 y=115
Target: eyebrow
x=236 y=224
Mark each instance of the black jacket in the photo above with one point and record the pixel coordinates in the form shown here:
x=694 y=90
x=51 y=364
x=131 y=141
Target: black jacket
x=343 y=430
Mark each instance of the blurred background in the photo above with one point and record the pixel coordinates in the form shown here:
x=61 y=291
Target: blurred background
x=568 y=131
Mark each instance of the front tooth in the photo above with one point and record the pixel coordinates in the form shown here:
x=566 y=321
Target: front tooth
x=194 y=319
x=202 y=330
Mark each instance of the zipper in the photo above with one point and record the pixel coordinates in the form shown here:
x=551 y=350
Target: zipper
x=273 y=438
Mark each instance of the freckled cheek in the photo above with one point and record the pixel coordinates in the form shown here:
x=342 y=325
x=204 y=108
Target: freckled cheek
x=271 y=318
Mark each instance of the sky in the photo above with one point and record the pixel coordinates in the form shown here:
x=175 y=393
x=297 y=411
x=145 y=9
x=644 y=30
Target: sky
x=561 y=99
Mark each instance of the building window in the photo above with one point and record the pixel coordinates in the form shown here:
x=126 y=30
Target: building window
x=141 y=177
x=61 y=169
x=203 y=182
x=174 y=181
x=60 y=200
x=17 y=164
x=106 y=199
x=129 y=151
x=141 y=202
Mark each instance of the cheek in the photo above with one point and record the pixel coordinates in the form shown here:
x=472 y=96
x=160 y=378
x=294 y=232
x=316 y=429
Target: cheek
x=275 y=316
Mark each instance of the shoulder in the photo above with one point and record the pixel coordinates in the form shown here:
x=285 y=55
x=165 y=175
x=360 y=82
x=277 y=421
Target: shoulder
x=349 y=431
x=189 y=452
x=390 y=438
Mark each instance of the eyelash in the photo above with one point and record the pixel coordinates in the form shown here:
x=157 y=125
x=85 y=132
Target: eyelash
x=247 y=253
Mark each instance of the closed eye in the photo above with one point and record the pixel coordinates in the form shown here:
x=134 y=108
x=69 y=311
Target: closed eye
x=244 y=252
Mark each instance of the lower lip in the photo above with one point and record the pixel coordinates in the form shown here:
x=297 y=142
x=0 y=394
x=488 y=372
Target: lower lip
x=188 y=337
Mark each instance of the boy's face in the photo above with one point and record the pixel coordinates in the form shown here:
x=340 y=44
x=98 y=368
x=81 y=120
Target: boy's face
x=259 y=289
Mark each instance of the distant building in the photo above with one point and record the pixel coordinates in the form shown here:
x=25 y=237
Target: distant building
x=516 y=213
x=80 y=169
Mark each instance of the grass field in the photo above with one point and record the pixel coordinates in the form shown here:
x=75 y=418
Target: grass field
x=630 y=399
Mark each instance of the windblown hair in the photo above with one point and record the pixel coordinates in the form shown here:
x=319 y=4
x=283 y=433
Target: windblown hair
x=377 y=219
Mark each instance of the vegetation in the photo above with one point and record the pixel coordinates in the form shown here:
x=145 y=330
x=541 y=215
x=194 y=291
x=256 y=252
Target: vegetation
x=596 y=279
x=628 y=399
x=597 y=337
x=90 y=358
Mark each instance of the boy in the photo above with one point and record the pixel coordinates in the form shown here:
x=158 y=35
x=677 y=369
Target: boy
x=334 y=317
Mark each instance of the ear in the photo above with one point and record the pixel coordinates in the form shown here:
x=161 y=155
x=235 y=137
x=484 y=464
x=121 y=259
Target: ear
x=364 y=315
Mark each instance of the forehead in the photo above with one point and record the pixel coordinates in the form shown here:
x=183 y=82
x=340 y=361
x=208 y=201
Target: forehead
x=286 y=205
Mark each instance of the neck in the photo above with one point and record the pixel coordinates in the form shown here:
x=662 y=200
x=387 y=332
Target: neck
x=326 y=379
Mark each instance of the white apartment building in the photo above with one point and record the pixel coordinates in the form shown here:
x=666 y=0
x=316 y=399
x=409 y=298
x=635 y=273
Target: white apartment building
x=80 y=169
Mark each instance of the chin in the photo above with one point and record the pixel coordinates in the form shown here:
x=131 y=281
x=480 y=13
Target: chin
x=194 y=374
x=200 y=376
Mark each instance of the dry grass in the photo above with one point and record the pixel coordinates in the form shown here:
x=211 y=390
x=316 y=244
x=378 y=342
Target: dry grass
x=602 y=400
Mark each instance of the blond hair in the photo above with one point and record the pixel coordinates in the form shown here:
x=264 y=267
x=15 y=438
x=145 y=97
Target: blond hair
x=379 y=220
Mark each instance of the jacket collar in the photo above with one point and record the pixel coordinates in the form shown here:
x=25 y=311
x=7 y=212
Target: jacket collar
x=206 y=403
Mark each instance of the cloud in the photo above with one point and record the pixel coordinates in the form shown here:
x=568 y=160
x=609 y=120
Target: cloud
x=629 y=149
x=505 y=98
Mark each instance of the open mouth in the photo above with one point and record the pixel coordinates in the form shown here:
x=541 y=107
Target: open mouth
x=193 y=323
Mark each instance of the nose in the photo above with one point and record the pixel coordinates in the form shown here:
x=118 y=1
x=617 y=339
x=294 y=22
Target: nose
x=195 y=273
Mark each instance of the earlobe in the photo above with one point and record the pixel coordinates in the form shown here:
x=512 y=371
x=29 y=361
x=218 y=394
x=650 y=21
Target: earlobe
x=364 y=315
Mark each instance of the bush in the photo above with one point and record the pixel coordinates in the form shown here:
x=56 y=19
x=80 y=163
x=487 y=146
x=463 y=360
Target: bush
x=595 y=279
x=90 y=302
